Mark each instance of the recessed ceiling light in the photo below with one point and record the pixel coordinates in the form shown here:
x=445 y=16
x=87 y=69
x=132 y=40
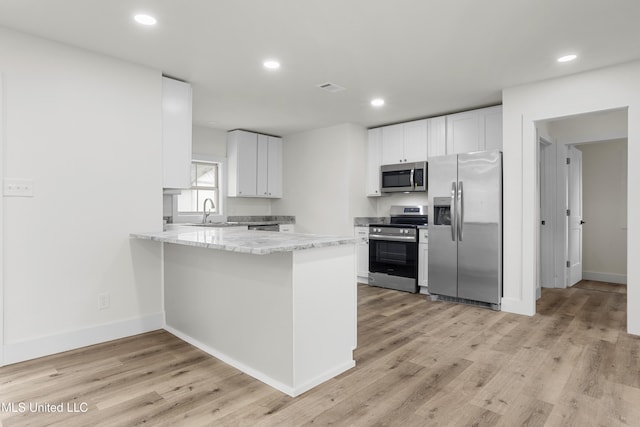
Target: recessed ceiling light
x=271 y=64
x=567 y=58
x=145 y=19
x=378 y=102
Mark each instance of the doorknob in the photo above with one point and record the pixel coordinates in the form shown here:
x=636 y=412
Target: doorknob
x=543 y=222
x=581 y=222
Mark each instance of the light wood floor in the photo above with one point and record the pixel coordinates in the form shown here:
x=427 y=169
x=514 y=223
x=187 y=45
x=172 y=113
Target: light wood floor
x=419 y=363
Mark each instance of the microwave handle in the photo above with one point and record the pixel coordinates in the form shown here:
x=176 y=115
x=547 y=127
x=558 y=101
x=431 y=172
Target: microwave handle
x=411 y=183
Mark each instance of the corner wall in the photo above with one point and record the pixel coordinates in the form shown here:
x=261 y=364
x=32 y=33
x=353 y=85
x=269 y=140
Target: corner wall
x=324 y=190
x=604 y=184
x=87 y=129
x=605 y=89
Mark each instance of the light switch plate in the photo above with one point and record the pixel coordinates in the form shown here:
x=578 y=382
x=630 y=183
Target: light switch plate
x=13 y=187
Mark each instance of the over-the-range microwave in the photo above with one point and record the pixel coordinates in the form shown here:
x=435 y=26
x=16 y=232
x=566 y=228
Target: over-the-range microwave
x=403 y=177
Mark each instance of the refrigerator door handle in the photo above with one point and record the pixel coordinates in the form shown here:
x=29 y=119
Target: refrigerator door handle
x=460 y=210
x=454 y=192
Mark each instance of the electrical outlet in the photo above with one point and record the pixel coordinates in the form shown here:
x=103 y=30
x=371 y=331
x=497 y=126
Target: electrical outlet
x=18 y=187
x=104 y=300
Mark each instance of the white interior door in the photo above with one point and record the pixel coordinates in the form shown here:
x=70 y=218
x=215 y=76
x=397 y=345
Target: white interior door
x=574 y=216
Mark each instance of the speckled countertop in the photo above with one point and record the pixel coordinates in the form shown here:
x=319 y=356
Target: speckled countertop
x=244 y=241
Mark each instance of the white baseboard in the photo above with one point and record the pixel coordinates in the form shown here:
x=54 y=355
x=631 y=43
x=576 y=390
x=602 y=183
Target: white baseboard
x=52 y=344
x=605 y=277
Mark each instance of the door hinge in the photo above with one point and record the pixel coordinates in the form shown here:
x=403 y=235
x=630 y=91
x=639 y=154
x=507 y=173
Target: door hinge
x=568 y=160
x=568 y=212
x=568 y=264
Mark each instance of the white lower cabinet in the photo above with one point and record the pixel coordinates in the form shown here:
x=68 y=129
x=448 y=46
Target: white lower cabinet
x=362 y=254
x=423 y=260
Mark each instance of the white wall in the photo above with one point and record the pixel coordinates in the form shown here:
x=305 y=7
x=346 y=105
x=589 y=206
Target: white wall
x=324 y=179
x=213 y=143
x=604 y=190
x=393 y=199
x=87 y=129
x=605 y=89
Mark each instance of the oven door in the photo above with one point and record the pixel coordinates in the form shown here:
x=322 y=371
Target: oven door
x=393 y=257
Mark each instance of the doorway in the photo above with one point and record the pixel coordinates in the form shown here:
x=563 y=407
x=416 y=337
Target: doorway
x=587 y=195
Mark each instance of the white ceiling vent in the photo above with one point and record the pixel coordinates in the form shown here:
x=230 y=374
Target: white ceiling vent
x=330 y=87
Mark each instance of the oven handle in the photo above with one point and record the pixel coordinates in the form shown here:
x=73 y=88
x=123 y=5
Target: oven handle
x=392 y=238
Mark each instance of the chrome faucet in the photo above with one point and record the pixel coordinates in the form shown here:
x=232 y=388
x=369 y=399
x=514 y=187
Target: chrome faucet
x=205 y=212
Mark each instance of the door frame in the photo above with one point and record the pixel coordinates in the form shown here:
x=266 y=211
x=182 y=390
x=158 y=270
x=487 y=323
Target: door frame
x=547 y=191
x=2 y=132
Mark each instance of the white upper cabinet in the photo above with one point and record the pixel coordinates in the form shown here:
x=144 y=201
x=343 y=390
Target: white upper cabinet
x=404 y=142
x=242 y=157
x=392 y=144
x=254 y=165
x=274 y=167
x=176 y=134
x=416 y=140
x=492 y=118
x=463 y=132
x=475 y=130
x=374 y=153
x=437 y=141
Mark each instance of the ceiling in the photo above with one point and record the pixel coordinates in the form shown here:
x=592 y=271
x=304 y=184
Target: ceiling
x=424 y=57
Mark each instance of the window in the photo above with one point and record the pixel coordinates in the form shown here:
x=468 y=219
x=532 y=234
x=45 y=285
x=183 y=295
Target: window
x=205 y=184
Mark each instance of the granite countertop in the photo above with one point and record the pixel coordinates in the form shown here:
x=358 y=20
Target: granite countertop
x=243 y=241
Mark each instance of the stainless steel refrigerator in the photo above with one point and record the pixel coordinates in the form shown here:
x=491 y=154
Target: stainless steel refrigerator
x=465 y=227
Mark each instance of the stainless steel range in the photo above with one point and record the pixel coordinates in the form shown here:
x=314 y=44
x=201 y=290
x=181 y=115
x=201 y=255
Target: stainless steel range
x=393 y=249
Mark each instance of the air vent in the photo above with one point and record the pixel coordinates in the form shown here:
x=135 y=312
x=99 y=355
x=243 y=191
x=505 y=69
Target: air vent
x=330 y=87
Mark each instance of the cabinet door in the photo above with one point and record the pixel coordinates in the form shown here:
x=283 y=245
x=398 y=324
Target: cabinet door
x=492 y=124
x=362 y=252
x=393 y=144
x=437 y=137
x=415 y=141
x=374 y=148
x=176 y=134
x=463 y=132
x=274 y=167
x=247 y=158
x=423 y=264
x=262 y=166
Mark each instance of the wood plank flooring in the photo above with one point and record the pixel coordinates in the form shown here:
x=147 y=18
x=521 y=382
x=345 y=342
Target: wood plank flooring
x=419 y=363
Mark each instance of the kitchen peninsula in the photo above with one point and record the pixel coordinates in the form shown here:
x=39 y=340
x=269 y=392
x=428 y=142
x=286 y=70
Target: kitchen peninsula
x=280 y=307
